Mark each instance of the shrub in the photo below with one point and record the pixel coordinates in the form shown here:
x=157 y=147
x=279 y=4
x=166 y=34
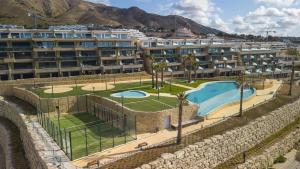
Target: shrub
x=280 y=159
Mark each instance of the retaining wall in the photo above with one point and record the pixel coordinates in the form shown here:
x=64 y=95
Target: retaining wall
x=267 y=158
x=145 y=121
x=220 y=148
x=31 y=146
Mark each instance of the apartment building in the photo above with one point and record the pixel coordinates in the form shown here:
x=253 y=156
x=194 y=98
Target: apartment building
x=260 y=57
x=55 y=53
x=215 y=56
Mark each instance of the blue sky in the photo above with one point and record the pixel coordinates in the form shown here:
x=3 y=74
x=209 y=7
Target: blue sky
x=233 y=16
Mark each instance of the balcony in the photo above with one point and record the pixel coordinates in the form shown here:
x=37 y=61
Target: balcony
x=110 y=67
x=132 y=66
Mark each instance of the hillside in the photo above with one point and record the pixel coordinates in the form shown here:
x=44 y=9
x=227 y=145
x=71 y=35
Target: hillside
x=82 y=12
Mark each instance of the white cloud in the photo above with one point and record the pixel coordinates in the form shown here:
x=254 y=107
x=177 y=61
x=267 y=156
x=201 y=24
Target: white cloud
x=204 y=12
x=267 y=18
x=277 y=3
x=105 y=2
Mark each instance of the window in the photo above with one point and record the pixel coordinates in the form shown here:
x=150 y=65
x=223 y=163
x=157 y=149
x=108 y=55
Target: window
x=105 y=44
x=87 y=44
x=45 y=44
x=123 y=44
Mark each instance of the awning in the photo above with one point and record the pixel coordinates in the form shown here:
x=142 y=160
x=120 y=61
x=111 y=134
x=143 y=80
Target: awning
x=225 y=59
x=254 y=64
x=229 y=67
x=252 y=57
x=170 y=70
x=269 y=70
x=271 y=56
x=264 y=63
x=258 y=71
x=200 y=68
x=278 y=70
x=247 y=72
x=262 y=56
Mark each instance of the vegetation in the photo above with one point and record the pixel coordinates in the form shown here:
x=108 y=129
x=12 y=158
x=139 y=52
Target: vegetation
x=280 y=159
x=193 y=84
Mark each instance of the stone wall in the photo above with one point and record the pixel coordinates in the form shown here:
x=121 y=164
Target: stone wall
x=4 y=143
x=145 y=121
x=39 y=148
x=220 y=148
x=70 y=104
x=268 y=157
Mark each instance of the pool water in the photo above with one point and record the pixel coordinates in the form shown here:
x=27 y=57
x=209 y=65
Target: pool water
x=131 y=94
x=215 y=94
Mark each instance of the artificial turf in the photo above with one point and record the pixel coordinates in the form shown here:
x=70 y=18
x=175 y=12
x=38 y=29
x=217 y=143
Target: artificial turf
x=97 y=137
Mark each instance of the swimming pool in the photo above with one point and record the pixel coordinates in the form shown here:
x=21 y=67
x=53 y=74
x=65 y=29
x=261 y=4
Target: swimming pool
x=131 y=94
x=212 y=95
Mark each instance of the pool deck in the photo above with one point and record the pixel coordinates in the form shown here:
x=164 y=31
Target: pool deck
x=164 y=135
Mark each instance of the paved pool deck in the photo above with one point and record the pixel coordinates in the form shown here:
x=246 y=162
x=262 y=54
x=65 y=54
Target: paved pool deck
x=164 y=135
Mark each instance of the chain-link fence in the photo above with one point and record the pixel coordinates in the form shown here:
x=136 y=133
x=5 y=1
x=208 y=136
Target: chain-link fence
x=89 y=137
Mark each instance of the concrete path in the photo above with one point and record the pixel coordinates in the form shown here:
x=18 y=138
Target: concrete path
x=290 y=163
x=164 y=135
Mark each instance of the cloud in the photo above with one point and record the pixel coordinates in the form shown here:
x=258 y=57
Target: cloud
x=267 y=18
x=277 y=3
x=105 y=2
x=204 y=12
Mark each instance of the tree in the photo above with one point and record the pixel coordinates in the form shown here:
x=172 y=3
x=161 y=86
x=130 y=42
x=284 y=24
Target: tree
x=295 y=53
x=195 y=67
x=162 y=67
x=152 y=59
x=156 y=68
x=188 y=61
x=241 y=84
x=181 y=99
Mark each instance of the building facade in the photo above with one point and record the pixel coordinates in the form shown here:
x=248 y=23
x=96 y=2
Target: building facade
x=61 y=53
x=55 y=53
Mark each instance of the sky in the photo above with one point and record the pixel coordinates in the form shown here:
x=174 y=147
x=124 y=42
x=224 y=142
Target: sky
x=280 y=17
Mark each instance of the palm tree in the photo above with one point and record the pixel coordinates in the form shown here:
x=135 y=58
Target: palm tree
x=190 y=59
x=181 y=98
x=295 y=53
x=195 y=67
x=241 y=83
x=156 y=68
x=162 y=67
x=152 y=59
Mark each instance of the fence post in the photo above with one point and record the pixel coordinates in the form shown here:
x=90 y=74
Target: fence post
x=86 y=142
x=66 y=143
x=70 y=140
x=135 y=132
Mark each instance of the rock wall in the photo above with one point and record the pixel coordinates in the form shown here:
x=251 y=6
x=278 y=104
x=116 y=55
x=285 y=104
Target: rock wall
x=145 y=121
x=268 y=157
x=70 y=104
x=36 y=146
x=220 y=148
x=4 y=143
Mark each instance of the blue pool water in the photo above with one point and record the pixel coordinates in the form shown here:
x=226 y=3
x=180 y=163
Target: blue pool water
x=131 y=94
x=215 y=94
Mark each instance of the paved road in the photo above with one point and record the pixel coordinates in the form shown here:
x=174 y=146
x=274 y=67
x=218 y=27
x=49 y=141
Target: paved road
x=2 y=159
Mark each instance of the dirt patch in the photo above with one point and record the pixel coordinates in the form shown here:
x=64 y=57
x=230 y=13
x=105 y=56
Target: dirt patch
x=58 y=89
x=97 y=87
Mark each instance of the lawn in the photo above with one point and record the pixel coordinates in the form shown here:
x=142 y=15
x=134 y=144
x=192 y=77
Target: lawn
x=76 y=91
x=194 y=84
x=149 y=104
x=99 y=135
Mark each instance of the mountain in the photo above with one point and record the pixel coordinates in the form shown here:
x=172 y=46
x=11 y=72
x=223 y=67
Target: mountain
x=55 y=12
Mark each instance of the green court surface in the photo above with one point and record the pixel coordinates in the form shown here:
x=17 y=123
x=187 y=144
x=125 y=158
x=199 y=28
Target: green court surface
x=87 y=135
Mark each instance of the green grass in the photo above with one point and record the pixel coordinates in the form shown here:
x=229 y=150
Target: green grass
x=76 y=91
x=110 y=136
x=194 y=84
x=149 y=104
